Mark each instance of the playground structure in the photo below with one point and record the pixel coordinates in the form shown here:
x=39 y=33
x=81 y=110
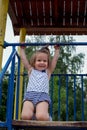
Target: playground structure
x=59 y=17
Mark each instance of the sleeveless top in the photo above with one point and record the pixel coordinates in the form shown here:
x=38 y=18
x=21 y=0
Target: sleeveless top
x=38 y=81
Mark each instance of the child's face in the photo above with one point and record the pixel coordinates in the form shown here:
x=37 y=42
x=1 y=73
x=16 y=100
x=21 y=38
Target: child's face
x=41 y=62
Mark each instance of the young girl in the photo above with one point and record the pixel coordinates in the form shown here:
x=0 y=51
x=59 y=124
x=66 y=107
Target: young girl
x=36 y=99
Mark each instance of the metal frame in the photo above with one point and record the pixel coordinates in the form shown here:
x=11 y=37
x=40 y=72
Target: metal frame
x=11 y=58
x=6 y=44
x=9 y=111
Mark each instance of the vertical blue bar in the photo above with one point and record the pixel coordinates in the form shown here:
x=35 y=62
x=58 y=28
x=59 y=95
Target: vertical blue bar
x=74 y=98
x=82 y=97
x=66 y=97
x=0 y=93
x=51 y=105
x=10 y=95
x=8 y=90
x=18 y=84
x=0 y=96
x=59 y=84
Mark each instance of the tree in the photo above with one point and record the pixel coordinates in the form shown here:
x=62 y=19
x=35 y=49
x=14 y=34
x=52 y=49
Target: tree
x=3 y=102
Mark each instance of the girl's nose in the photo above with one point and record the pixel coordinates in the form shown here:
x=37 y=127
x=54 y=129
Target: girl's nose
x=42 y=62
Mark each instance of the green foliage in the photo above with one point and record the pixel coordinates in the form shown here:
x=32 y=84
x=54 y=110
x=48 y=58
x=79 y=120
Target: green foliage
x=4 y=99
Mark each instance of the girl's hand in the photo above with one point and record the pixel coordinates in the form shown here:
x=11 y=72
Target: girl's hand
x=23 y=47
x=57 y=47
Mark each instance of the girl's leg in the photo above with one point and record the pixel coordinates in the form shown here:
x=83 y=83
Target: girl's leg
x=27 y=111
x=42 y=111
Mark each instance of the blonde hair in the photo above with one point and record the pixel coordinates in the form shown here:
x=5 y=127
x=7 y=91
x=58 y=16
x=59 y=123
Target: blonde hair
x=42 y=50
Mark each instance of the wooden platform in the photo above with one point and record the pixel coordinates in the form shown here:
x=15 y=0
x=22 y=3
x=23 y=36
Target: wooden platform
x=57 y=125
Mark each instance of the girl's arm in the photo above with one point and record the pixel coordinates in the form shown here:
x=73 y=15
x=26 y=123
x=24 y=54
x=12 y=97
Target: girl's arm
x=24 y=58
x=55 y=59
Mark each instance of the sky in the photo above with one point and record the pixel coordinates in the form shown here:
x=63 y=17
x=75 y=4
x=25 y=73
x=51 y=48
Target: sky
x=9 y=37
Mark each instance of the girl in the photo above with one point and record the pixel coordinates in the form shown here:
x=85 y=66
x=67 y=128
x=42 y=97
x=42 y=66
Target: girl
x=40 y=68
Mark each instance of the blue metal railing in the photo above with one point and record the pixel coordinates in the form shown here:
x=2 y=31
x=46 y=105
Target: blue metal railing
x=54 y=83
x=78 y=81
x=74 y=97
x=10 y=93
x=6 y=44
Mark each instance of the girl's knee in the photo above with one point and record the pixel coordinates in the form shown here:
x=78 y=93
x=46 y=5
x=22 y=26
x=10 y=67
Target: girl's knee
x=27 y=111
x=42 y=116
x=25 y=116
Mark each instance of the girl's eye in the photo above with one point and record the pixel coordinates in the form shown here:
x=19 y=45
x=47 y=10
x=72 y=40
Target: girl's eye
x=39 y=60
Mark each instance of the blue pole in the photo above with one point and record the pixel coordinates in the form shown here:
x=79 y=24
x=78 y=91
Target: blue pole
x=74 y=98
x=59 y=85
x=51 y=106
x=0 y=95
x=18 y=84
x=69 y=74
x=10 y=94
x=44 y=44
x=82 y=98
x=66 y=98
x=7 y=110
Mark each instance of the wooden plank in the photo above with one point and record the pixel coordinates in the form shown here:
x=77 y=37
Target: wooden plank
x=19 y=12
x=12 y=12
x=57 y=12
x=33 y=12
x=26 y=11
x=40 y=15
x=78 y=124
x=47 y=8
x=52 y=30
